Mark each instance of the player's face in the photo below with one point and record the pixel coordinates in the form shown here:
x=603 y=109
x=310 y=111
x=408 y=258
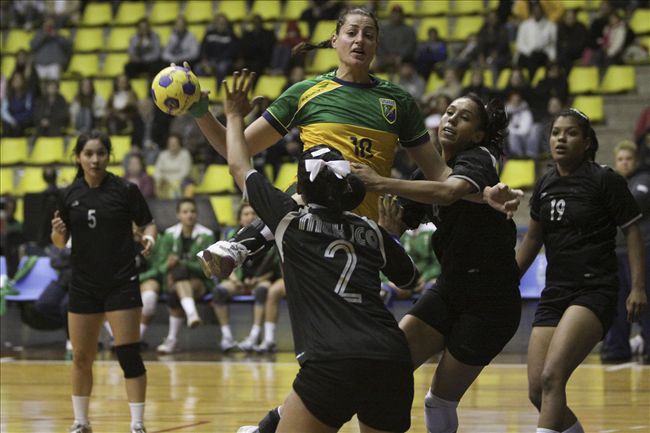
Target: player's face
x=568 y=143
x=93 y=158
x=625 y=162
x=247 y=216
x=459 y=125
x=187 y=214
x=356 y=41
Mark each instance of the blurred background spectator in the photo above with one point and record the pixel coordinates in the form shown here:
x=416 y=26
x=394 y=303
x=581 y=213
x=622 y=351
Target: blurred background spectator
x=122 y=115
x=397 y=42
x=144 y=52
x=408 y=78
x=88 y=108
x=430 y=53
x=52 y=113
x=282 y=59
x=257 y=44
x=135 y=171
x=494 y=44
x=173 y=167
x=51 y=51
x=11 y=234
x=182 y=45
x=219 y=49
x=536 y=41
x=520 y=137
x=17 y=107
x=572 y=38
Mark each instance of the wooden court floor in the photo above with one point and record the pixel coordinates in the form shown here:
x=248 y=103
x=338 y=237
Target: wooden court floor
x=221 y=395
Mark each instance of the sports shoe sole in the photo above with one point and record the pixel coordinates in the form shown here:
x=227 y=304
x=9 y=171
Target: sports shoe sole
x=214 y=265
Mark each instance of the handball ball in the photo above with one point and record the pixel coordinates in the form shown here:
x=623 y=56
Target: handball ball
x=175 y=89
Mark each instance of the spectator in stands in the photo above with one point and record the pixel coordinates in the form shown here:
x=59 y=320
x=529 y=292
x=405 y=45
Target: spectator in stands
x=572 y=38
x=219 y=49
x=451 y=86
x=397 y=42
x=613 y=42
x=182 y=45
x=183 y=278
x=52 y=304
x=254 y=277
x=554 y=84
x=542 y=124
x=17 y=108
x=643 y=143
x=144 y=52
x=321 y=10
x=277 y=292
x=468 y=55
x=25 y=66
x=519 y=83
x=51 y=51
x=27 y=13
x=282 y=60
x=477 y=86
x=52 y=112
x=616 y=345
x=520 y=137
x=598 y=24
x=642 y=123
x=430 y=53
x=409 y=80
x=150 y=278
x=436 y=108
x=536 y=41
x=494 y=44
x=136 y=172
x=65 y=13
x=122 y=114
x=257 y=44
x=173 y=167
x=88 y=108
x=11 y=233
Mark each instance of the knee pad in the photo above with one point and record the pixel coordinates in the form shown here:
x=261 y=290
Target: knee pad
x=252 y=237
x=149 y=299
x=130 y=360
x=220 y=295
x=260 y=293
x=269 y=423
x=173 y=301
x=440 y=415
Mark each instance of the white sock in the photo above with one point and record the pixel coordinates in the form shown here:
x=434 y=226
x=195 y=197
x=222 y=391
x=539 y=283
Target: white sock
x=80 y=407
x=439 y=414
x=149 y=299
x=545 y=430
x=267 y=233
x=189 y=306
x=269 y=332
x=107 y=326
x=137 y=413
x=175 y=324
x=226 y=334
x=143 y=328
x=575 y=428
x=255 y=332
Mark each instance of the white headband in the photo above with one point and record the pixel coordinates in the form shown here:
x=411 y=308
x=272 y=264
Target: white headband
x=340 y=168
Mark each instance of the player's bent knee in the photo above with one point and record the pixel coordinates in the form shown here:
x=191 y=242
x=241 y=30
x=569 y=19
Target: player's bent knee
x=130 y=360
x=260 y=293
x=220 y=295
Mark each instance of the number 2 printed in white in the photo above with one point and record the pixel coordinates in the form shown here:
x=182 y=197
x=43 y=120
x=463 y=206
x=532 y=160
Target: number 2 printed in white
x=348 y=249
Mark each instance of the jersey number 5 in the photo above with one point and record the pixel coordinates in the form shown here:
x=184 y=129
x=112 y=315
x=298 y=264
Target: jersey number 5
x=348 y=249
x=92 y=219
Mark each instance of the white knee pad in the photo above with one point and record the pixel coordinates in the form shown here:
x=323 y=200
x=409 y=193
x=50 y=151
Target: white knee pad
x=440 y=415
x=149 y=299
x=575 y=428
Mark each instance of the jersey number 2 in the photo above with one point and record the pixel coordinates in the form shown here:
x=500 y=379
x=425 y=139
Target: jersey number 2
x=92 y=219
x=348 y=249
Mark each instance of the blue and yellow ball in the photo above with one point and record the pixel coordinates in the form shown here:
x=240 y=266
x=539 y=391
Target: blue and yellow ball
x=175 y=89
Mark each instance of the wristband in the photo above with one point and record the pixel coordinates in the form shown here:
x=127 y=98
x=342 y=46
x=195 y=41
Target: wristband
x=199 y=108
x=150 y=239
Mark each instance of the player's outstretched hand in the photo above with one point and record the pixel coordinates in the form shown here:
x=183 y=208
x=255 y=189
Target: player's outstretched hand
x=369 y=176
x=390 y=215
x=237 y=99
x=502 y=198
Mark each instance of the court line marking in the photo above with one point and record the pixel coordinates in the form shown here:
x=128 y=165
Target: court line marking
x=181 y=427
x=621 y=366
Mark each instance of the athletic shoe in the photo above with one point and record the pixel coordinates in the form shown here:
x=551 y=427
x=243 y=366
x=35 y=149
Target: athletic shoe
x=227 y=344
x=170 y=345
x=221 y=258
x=265 y=347
x=193 y=321
x=248 y=429
x=248 y=345
x=138 y=428
x=80 y=428
x=637 y=344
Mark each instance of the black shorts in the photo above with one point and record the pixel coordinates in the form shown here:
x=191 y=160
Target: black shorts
x=379 y=392
x=87 y=301
x=477 y=314
x=555 y=300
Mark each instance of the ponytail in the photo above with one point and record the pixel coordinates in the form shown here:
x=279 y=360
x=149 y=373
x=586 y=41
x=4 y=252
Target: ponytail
x=494 y=122
x=304 y=47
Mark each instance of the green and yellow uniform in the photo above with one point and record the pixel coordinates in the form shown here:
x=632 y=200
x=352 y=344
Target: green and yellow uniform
x=365 y=122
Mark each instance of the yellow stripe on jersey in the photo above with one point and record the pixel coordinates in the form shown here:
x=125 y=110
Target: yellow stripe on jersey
x=317 y=89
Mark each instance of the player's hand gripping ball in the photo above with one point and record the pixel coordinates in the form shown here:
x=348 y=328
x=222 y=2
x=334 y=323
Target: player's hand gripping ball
x=175 y=89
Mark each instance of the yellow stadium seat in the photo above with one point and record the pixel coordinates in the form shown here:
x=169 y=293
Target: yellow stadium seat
x=217 y=179
x=8 y=65
x=130 y=12
x=487 y=78
x=68 y=89
x=13 y=150
x=302 y=26
x=540 y=73
x=223 y=209
x=18 y=39
x=209 y=84
x=141 y=87
x=519 y=173
x=323 y=31
x=434 y=82
x=440 y=23
x=324 y=61
x=31 y=181
x=6 y=181
x=583 y=17
x=163 y=12
x=20 y=210
x=493 y=5
x=66 y=176
x=97 y=14
x=575 y=4
x=286 y=176
x=504 y=76
x=121 y=147
x=268 y=9
x=592 y=106
x=114 y=64
x=104 y=88
x=618 y=79
x=91 y=39
x=119 y=37
x=640 y=21
x=234 y=10
x=198 y=11
x=86 y=65
x=583 y=79
x=198 y=30
x=437 y=7
x=465 y=26
x=117 y=170
x=164 y=32
x=270 y=86
x=294 y=8
x=48 y=150
x=468 y=7
x=408 y=7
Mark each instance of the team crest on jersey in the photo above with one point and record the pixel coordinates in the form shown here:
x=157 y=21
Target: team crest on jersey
x=388 y=109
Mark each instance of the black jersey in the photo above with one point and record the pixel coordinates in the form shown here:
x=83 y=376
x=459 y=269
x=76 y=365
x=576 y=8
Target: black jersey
x=331 y=266
x=474 y=237
x=578 y=214
x=99 y=222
